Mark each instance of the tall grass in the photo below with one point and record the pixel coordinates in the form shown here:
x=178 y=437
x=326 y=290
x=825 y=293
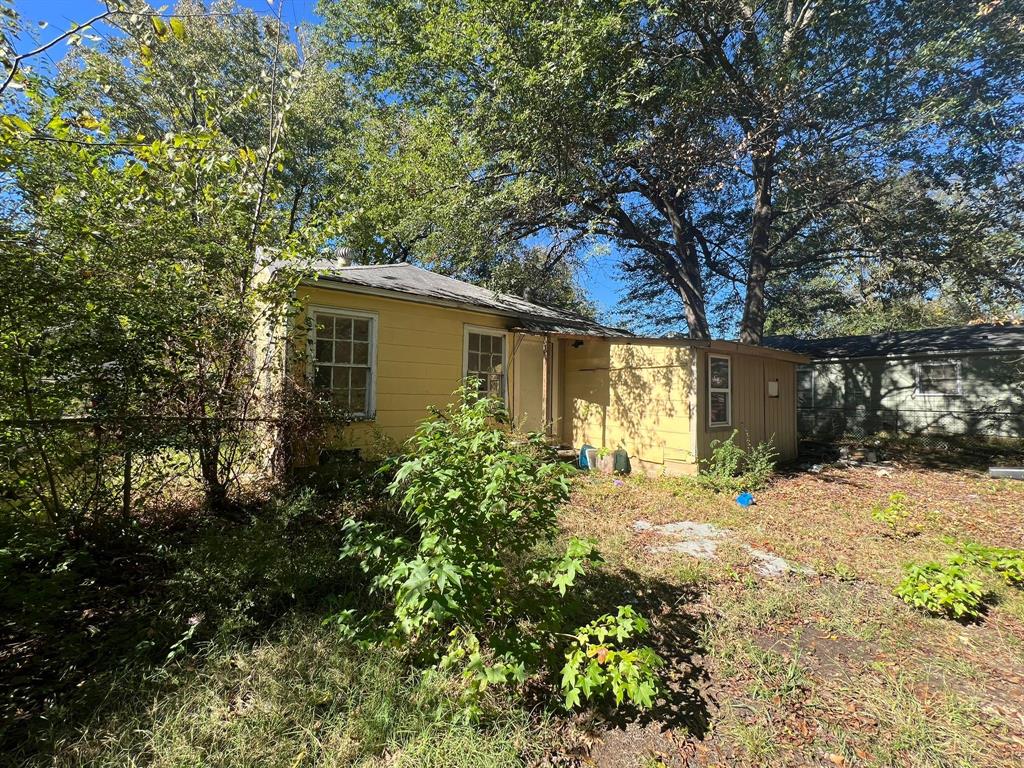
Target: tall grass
x=301 y=697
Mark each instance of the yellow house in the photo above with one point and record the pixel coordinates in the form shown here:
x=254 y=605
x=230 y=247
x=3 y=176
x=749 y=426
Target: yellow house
x=390 y=341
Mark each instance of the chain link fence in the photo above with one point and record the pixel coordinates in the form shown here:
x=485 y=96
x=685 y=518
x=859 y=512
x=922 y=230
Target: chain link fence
x=931 y=428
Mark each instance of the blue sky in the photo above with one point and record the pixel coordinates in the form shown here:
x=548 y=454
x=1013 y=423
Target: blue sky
x=598 y=276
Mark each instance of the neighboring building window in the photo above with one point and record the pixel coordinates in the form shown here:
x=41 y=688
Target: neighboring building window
x=344 y=359
x=485 y=361
x=941 y=378
x=719 y=391
x=804 y=387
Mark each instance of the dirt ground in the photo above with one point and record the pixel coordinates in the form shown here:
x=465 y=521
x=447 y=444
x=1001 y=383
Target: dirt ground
x=821 y=666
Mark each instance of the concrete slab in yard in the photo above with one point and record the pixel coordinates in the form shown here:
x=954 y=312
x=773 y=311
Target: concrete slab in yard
x=700 y=541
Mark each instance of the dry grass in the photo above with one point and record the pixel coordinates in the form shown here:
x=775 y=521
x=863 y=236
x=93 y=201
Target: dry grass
x=828 y=668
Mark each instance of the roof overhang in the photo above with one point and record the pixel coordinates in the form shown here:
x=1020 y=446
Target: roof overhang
x=335 y=284
x=920 y=355
x=725 y=347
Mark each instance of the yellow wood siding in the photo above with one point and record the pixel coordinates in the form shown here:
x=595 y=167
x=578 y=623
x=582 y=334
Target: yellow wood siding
x=419 y=363
x=633 y=396
x=756 y=416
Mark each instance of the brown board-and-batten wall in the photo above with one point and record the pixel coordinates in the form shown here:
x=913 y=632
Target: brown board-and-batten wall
x=756 y=416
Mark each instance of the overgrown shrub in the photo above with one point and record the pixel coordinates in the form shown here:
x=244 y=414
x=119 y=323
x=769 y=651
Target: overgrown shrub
x=1007 y=563
x=942 y=590
x=730 y=468
x=893 y=513
x=460 y=574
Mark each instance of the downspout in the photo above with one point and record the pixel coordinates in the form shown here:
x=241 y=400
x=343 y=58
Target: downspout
x=694 y=407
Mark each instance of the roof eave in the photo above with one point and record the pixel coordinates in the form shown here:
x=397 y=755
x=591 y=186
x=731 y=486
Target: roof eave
x=337 y=284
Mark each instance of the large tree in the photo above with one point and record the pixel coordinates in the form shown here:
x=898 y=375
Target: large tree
x=143 y=183
x=714 y=142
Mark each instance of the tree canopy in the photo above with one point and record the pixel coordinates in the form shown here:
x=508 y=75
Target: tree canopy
x=722 y=145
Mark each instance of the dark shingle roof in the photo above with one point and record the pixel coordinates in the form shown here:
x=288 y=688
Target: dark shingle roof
x=409 y=279
x=936 y=340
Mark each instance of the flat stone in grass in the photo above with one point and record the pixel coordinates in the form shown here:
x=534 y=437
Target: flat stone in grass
x=700 y=541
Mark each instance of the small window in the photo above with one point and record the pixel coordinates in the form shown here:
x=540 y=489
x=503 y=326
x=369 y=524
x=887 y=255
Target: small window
x=485 y=362
x=804 y=387
x=344 y=358
x=941 y=379
x=719 y=391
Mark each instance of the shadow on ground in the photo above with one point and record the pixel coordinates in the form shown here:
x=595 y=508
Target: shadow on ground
x=677 y=628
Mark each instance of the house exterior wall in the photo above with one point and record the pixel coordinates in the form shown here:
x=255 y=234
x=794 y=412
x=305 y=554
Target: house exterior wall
x=419 y=363
x=633 y=396
x=869 y=395
x=755 y=415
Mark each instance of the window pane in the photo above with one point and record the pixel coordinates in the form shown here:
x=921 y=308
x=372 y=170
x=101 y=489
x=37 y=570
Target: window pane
x=322 y=377
x=360 y=353
x=323 y=351
x=719 y=373
x=494 y=385
x=343 y=351
x=340 y=382
x=343 y=327
x=719 y=407
x=359 y=377
x=497 y=344
x=324 y=327
x=805 y=389
x=474 y=342
x=361 y=330
x=473 y=364
x=357 y=403
x=939 y=378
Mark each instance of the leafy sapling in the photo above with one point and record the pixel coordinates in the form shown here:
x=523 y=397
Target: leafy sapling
x=1006 y=563
x=942 y=590
x=597 y=665
x=893 y=514
x=462 y=574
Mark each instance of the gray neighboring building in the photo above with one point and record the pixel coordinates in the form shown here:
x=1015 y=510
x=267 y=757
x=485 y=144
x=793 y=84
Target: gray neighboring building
x=955 y=381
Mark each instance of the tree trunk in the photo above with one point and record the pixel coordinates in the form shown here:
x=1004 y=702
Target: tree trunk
x=691 y=289
x=209 y=467
x=759 y=261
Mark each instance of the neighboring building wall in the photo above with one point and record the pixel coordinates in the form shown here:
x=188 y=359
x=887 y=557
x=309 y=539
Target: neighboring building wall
x=756 y=416
x=866 y=396
x=419 y=363
x=633 y=396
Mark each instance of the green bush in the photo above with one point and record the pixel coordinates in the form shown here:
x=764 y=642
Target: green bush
x=459 y=574
x=942 y=590
x=730 y=468
x=893 y=513
x=1007 y=563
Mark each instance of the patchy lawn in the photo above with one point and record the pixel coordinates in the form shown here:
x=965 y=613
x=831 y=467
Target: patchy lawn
x=823 y=665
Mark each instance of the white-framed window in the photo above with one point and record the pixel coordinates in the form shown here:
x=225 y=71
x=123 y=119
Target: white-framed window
x=345 y=358
x=939 y=379
x=804 y=387
x=719 y=390
x=485 y=360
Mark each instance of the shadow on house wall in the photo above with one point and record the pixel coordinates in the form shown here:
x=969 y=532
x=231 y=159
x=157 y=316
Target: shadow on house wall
x=864 y=397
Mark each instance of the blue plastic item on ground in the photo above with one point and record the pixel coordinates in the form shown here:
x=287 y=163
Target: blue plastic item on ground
x=745 y=499
x=583 y=456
